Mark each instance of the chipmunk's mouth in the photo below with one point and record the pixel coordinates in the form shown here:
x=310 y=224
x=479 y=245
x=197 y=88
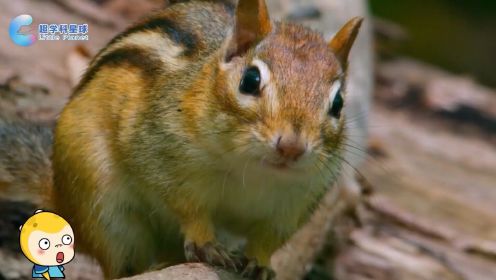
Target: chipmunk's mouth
x=60 y=257
x=278 y=165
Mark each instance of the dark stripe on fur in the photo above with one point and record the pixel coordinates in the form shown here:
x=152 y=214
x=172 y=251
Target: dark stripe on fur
x=147 y=62
x=178 y=35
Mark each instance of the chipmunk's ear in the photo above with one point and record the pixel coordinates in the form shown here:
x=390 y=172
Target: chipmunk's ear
x=251 y=25
x=342 y=42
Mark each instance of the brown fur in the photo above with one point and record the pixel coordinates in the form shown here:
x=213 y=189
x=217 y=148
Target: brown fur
x=25 y=168
x=158 y=147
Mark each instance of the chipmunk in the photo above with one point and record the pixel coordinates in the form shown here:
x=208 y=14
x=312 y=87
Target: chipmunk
x=202 y=118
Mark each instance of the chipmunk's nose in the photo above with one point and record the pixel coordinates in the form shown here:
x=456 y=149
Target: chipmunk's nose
x=290 y=146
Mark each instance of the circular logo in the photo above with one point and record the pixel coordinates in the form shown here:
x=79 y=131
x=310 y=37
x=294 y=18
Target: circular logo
x=16 y=35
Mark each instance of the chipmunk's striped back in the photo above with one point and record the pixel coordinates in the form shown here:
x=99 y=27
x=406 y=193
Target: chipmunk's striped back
x=142 y=70
x=167 y=41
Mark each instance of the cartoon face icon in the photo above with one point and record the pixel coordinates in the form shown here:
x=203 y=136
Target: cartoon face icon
x=47 y=239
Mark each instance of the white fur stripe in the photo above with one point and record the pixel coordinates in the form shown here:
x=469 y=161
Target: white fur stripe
x=270 y=90
x=166 y=50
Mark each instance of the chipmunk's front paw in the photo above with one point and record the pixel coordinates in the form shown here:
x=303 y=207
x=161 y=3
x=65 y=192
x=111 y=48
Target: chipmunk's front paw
x=254 y=271
x=212 y=254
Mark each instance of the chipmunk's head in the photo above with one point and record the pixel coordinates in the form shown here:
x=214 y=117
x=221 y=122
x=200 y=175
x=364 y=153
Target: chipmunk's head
x=281 y=89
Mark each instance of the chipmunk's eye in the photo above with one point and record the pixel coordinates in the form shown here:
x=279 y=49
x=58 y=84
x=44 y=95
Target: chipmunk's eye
x=337 y=101
x=250 y=83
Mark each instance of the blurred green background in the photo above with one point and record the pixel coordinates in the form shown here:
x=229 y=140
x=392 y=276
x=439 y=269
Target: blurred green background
x=458 y=35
